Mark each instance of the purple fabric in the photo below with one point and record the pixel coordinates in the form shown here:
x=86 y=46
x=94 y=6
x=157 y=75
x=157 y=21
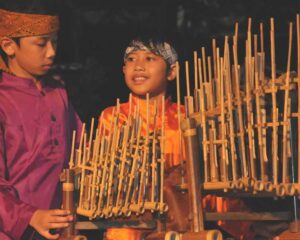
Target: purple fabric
x=35 y=135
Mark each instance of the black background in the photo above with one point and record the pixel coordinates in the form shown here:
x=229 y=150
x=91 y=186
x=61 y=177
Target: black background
x=95 y=33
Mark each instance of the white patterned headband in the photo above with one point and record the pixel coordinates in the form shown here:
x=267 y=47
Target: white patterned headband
x=163 y=49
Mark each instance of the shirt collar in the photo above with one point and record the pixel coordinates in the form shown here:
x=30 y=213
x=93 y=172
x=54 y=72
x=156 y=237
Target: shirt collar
x=9 y=79
x=143 y=105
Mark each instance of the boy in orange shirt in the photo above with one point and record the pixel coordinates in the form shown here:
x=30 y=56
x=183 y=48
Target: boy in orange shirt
x=149 y=66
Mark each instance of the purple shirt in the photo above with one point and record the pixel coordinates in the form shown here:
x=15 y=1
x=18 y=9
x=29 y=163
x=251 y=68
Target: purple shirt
x=35 y=135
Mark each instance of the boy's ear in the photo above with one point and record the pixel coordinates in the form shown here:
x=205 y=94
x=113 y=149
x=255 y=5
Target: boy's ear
x=172 y=72
x=8 y=46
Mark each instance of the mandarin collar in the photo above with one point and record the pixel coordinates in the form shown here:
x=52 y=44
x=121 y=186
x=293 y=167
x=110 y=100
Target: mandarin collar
x=143 y=106
x=26 y=85
x=17 y=81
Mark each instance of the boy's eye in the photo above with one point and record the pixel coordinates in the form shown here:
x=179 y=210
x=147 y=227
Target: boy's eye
x=41 y=44
x=150 y=58
x=130 y=59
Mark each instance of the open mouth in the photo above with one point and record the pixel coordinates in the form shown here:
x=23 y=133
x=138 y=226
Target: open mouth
x=139 y=80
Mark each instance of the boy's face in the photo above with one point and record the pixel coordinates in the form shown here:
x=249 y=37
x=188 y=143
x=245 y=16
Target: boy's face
x=146 y=72
x=33 y=56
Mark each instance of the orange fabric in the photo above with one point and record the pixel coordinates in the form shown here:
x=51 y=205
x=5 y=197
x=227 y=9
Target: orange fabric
x=123 y=234
x=172 y=157
x=172 y=142
x=13 y=24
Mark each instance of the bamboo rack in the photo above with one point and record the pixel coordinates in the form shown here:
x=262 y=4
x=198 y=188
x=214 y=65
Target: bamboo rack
x=245 y=119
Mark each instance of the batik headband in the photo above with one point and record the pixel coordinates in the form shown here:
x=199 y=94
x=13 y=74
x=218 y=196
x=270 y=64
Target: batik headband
x=14 y=24
x=163 y=49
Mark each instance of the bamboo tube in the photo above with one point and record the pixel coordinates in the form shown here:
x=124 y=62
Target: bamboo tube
x=94 y=172
x=204 y=64
x=230 y=109
x=178 y=120
x=255 y=55
x=196 y=69
x=162 y=157
x=261 y=78
x=214 y=49
x=249 y=39
x=203 y=123
x=224 y=174
x=79 y=150
x=81 y=200
x=248 y=64
x=105 y=166
x=212 y=136
x=134 y=164
x=142 y=186
x=236 y=34
x=210 y=84
x=68 y=201
x=71 y=162
x=154 y=163
x=274 y=108
x=187 y=78
x=285 y=164
x=123 y=162
x=298 y=72
x=113 y=149
x=263 y=176
x=239 y=109
x=214 y=176
x=215 y=82
x=189 y=108
x=196 y=83
x=262 y=54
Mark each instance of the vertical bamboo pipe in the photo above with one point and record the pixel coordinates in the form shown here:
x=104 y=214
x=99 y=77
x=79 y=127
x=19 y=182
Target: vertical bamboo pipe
x=298 y=73
x=274 y=108
x=68 y=201
x=193 y=170
x=285 y=164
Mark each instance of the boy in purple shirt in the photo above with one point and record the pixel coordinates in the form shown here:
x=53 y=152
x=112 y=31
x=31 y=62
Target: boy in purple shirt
x=36 y=122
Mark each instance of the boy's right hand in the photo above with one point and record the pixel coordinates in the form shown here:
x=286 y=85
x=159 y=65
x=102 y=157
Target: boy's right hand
x=44 y=220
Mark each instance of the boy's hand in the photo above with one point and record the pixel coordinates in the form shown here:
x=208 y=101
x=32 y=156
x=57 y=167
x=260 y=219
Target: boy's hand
x=44 y=220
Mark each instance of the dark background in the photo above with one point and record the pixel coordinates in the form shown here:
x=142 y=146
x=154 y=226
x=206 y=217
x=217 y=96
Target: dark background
x=95 y=33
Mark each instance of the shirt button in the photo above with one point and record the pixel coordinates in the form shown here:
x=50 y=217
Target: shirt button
x=53 y=118
x=55 y=142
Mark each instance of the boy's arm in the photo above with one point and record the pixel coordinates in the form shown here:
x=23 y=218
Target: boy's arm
x=15 y=215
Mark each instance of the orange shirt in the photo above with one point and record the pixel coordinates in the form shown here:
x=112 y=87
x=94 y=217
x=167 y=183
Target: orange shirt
x=172 y=158
x=172 y=134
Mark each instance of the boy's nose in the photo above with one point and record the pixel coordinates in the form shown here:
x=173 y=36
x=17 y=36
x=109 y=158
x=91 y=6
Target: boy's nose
x=51 y=50
x=139 y=67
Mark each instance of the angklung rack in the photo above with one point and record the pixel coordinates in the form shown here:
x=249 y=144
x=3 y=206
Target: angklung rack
x=247 y=125
x=118 y=172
